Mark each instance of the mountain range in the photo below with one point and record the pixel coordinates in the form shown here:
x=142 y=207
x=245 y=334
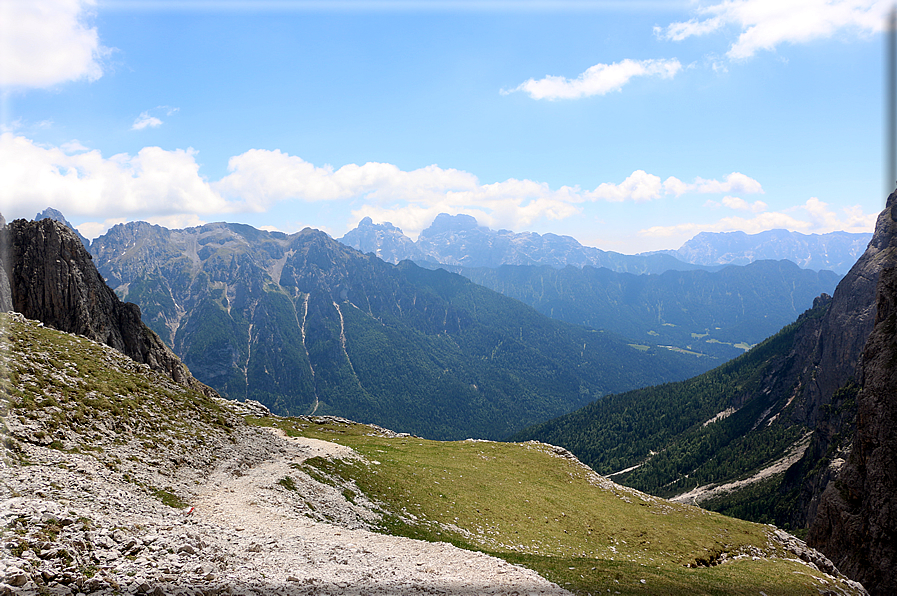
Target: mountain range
x=305 y=324
x=837 y=251
x=802 y=427
x=460 y=241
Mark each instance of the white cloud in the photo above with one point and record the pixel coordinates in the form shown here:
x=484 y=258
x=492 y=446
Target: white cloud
x=144 y=120
x=410 y=199
x=641 y=186
x=765 y=24
x=46 y=42
x=73 y=146
x=734 y=182
x=600 y=79
x=153 y=182
x=813 y=217
x=740 y=204
x=167 y=187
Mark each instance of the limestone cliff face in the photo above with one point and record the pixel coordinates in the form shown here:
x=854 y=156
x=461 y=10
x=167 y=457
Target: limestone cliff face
x=5 y=291
x=856 y=524
x=852 y=403
x=52 y=278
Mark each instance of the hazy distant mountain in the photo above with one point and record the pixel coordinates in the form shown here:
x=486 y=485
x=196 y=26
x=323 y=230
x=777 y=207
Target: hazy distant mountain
x=384 y=240
x=460 y=240
x=837 y=251
x=719 y=313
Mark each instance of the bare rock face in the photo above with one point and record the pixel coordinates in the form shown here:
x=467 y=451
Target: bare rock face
x=5 y=291
x=856 y=520
x=856 y=524
x=52 y=278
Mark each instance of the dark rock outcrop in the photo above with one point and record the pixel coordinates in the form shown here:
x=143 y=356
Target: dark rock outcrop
x=52 y=278
x=856 y=522
x=50 y=213
x=5 y=291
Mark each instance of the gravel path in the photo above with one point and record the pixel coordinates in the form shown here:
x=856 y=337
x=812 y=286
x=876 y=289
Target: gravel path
x=69 y=515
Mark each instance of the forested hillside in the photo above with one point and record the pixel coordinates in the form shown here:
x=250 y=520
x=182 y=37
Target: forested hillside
x=720 y=313
x=719 y=426
x=305 y=324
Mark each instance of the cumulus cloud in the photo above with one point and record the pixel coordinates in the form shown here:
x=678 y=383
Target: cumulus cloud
x=46 y=42
x=813 y=217
x=600 y=79
x=641 y=186
x=144 y=120
x=261 y=177
x=166 y=187
x=765 y=24
x=152 y=182
x=410 y=199
x=738 y=204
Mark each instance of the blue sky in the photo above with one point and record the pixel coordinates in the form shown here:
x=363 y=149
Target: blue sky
x=631 y=126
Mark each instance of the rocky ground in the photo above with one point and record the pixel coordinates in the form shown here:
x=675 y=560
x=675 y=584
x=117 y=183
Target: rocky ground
x=139 y=486
x=72 y=525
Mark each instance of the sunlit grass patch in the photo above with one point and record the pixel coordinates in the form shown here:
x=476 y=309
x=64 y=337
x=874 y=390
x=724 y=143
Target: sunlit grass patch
x=531 y=505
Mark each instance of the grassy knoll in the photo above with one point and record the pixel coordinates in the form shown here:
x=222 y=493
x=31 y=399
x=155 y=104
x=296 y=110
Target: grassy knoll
x=530 y=505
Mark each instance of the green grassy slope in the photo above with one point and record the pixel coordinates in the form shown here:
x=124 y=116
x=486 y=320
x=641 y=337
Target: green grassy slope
x=530 y=504
x=527 y=503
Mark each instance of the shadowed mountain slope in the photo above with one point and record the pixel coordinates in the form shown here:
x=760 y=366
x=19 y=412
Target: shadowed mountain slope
x=305 y=325
x=719 y=313
x=52 y=279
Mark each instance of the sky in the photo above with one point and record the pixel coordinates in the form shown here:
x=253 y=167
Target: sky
x=629 y=125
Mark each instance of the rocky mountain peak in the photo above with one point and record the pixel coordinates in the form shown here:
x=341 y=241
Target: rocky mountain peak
x=50 y=213
x=52 y=279
x=384 y=240
x=450 y=223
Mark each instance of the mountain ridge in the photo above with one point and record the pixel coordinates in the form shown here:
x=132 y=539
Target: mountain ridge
x=837 y=251
x=305 y=324
x=459 y=240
